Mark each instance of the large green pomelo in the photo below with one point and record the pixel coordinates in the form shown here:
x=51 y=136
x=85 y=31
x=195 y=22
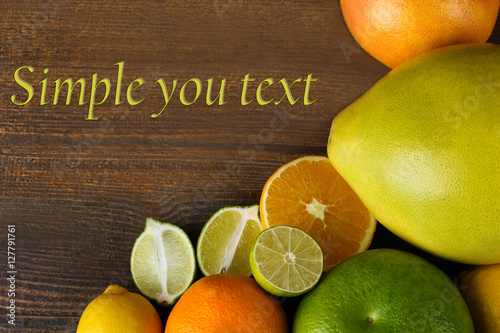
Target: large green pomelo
x=384 y=291
x=421 y=148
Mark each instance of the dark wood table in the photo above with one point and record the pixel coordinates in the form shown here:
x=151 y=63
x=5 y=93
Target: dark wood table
x=78 y=191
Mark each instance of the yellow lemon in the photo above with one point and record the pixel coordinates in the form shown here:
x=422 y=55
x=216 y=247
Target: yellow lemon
x=119 y=311
x=481 y=291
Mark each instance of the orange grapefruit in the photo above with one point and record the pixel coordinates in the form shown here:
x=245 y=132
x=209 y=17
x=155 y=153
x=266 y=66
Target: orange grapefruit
x=393 y=31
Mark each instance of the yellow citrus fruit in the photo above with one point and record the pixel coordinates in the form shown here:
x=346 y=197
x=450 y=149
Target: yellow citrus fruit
x=309 y=194
x=421 y=148
x=226 y=303
x=394 y=31
x=481 y=290
x=119 y=311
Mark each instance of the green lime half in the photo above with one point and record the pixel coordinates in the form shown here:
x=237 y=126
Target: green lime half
x=162 y=263
x=226 y=239
x=286 y=261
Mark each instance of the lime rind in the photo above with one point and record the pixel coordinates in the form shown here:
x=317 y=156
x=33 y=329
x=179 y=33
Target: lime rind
x=226 y=239
x=286 y=261
x=163 y=263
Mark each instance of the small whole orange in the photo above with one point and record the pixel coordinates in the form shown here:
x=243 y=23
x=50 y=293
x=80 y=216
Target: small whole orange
x=226 y=303
x=393 y=31
x=481 y=291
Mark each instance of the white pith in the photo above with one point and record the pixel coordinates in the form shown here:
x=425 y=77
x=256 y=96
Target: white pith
x=247 y=214
x=316 y=209
x=156 y=229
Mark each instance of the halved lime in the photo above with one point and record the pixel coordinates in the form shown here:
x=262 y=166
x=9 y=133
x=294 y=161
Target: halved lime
x=286 y=261
x=226 y=239
x=162 y=263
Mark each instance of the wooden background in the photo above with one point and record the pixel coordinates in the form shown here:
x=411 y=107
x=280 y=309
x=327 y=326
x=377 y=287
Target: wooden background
x=79 y=191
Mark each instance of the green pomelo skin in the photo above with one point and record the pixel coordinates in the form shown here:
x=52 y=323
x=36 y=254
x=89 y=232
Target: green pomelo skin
x=421 y=148
x=384 y=291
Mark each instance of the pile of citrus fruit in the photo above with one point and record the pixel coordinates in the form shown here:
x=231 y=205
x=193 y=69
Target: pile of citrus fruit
x=419 y=152
x=308 y=221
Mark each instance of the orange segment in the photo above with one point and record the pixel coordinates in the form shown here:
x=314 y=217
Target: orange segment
x=308 y=193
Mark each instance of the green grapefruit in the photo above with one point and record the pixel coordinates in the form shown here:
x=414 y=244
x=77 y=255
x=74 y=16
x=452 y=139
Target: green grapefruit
x=386 y=291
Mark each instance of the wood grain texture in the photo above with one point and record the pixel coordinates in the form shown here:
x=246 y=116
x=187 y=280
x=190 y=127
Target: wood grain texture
x=79 y=191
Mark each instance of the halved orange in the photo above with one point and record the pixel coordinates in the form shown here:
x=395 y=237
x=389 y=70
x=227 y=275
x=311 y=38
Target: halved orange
x=308 y=193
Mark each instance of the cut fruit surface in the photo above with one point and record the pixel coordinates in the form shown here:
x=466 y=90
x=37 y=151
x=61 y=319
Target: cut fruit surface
x=226 y=240
x=308 y=193
x=162 y=263
x=286 y=261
